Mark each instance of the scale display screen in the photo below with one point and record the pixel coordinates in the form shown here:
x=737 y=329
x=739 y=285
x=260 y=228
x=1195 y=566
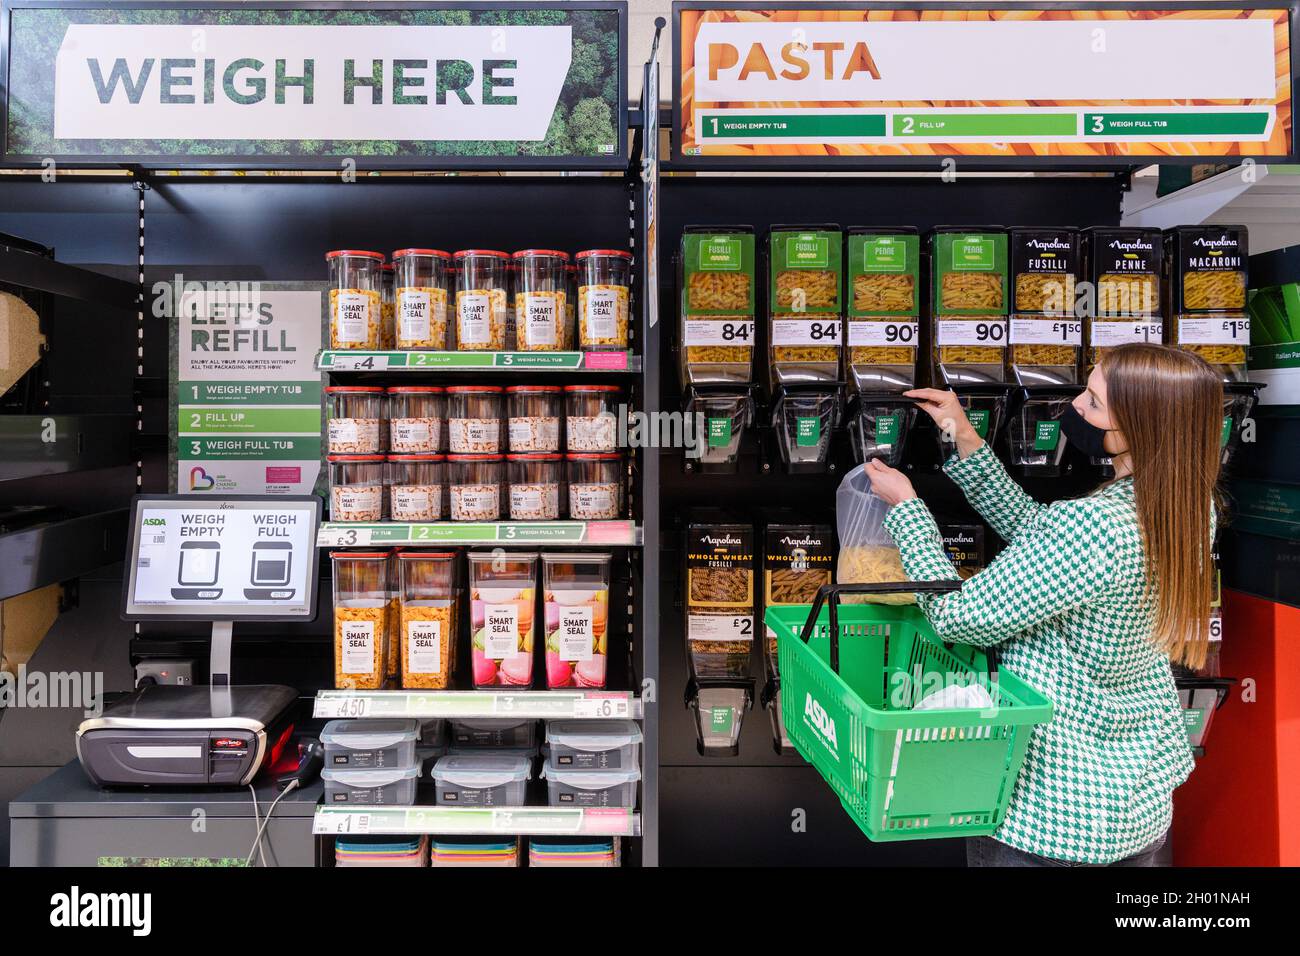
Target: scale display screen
x=237 y=557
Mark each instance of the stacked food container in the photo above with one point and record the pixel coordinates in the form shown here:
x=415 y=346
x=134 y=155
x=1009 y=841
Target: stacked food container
x=370 y=762
x=592 y=763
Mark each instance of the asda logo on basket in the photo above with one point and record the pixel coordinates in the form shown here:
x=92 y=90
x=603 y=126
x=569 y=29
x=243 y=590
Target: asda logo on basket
x=821 y=722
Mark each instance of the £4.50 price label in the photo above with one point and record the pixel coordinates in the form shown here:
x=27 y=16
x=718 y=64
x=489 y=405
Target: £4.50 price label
x=712 y=332
x=882 y=333
x=824 y=332
x=1216 y=331
x=720 y=627
x=965 y=332
x=1046 y=332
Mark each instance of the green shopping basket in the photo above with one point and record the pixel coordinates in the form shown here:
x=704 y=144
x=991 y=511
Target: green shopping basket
x=849 y=677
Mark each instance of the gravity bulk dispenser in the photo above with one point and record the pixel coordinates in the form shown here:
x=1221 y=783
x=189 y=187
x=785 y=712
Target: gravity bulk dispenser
x=969 y=304
x=716 y=309
x=1123 y=269
x=1046 y=336
x=1205 y=295
x=805 y=315
x=723 y=416
x=1034 y=432
x=804 y=419
x=883 y=306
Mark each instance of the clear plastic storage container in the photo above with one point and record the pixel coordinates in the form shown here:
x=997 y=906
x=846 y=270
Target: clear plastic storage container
x=540 y=299
x=422 y=290
x=361 y=618
x=533 y=417
x=386 y=743
x=593 y=744
x=355 y=417
x=427 y=618
x=357 y=487
x=474 y=419
x=489 y=780
x=604 y=299
x=415 y=417
x=595 y=486
x=503 y=598
x=476 y=483
x=415 y=489
x=371 y=788
x=591 y=788
x=576 y=593
x=566 y=852
x=356 y=307
x=591 y=417
x=534 y=486
x=494 y=732
x=482 y=283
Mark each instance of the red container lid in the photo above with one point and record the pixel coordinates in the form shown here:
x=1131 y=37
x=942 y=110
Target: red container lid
x=535 y=456
x=428 y=456
x=377 y=256
x=362 y=389
x=347 y=458
x=621 y=253
x=455 y=458
x=594 y=456
x=592 y=388
x=534 y=388
x=386 y=267
x=541 y=252
x=462 y=253
x=473 y=388
x=405 y=555
x=415 y=389
x=358 y=554
x=402 y=253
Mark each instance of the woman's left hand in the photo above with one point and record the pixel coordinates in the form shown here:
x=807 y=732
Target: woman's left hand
x=889 y=484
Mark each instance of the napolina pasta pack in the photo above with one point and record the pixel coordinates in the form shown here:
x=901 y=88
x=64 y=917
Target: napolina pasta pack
x=716 y=278
x=969 y=302
x=804 y=302
x=1205 y=293
x=1123 y=267
x=883 y=303
x=1046 y=334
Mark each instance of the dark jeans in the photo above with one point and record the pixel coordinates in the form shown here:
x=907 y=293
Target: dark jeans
x=986 y=851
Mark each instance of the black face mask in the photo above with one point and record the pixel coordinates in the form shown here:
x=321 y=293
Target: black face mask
x=1085 y=436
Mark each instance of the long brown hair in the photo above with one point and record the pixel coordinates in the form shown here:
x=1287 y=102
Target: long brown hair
x=1168 y=405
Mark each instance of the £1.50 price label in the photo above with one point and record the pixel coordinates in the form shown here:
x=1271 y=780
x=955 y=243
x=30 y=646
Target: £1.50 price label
x=1234 y=330
x=1046 y=332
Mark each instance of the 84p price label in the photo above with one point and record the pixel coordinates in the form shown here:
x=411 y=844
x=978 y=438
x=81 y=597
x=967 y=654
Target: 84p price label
x=825 y=332
x=708 y=332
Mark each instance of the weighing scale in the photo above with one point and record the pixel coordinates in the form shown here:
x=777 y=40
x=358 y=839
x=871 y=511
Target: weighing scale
x=218 y=559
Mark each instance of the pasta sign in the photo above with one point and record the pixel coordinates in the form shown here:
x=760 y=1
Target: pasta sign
x=938 y=81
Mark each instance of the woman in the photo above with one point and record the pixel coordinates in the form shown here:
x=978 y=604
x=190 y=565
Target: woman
x=1089 y=602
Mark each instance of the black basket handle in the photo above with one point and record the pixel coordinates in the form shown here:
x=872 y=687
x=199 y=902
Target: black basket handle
x=833 y=592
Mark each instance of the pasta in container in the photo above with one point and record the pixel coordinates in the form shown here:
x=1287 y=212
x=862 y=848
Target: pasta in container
x=1124 y=267
x=969 y=303
x=720 y=606
x=868 y=555
x=797 y=560
x=716 y=278
x=805 y=329
x=1046 y=334
x=1206 y=294
x=884 y=305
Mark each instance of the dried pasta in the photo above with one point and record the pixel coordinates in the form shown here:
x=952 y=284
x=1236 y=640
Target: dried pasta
x=1120 y=294
x=718 y=590
x=1219 y=354
x=373 y=675
x=1214 y=290
x=713 y=291
x=1044 y=292
x=971 y=290
x=1042 y=354
x=872 y=565
x=883 y=292
x=803 y=353
x=820 y=288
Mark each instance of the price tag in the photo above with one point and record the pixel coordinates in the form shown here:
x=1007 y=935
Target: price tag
x=701 y=332
x=1217 y=331
x=1107 y=334
x=346 y=708
x=883 y=333
x=806 y=332
x=362 y=362
x=327 y=823
x=991 y=332
x=720 y=627
x=601 y=708
x=341 y=536
x=1046 y=332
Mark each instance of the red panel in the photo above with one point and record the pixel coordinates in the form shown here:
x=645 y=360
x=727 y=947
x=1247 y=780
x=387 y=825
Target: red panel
x=1241 y=806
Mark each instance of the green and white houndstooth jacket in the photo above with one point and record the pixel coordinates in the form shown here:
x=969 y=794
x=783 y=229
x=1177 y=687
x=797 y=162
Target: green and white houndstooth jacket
x=1065 y=600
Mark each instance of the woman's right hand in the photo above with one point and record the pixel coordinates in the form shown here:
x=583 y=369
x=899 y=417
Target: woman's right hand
x=945 y=408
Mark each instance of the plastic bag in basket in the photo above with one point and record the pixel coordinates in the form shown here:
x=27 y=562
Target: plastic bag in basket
x=868 y=555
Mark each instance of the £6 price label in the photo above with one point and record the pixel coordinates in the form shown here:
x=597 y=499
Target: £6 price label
x=825 y=332
x=882 y=333
x=709 y=332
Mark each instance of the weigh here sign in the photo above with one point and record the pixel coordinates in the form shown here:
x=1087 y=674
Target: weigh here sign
x=1023 y=82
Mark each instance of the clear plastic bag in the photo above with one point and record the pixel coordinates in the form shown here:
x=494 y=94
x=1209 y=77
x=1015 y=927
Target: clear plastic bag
x=868 y=555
